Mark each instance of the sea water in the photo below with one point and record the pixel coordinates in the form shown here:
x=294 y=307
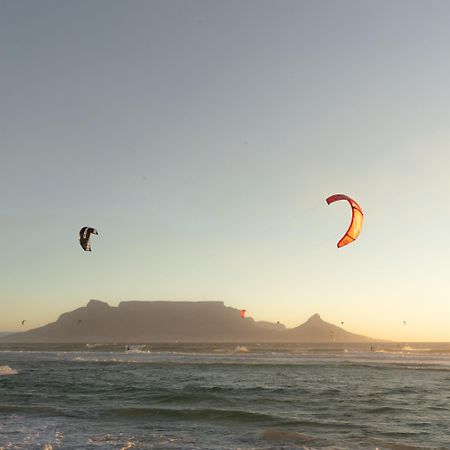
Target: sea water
x=225 y=396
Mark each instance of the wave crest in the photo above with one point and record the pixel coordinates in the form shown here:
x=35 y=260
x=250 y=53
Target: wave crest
x=6 y=370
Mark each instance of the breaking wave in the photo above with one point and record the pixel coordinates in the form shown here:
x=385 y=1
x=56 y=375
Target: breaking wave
x=241 y=349
x=6 y=370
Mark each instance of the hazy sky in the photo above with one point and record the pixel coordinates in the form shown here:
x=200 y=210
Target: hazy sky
x=201 y=139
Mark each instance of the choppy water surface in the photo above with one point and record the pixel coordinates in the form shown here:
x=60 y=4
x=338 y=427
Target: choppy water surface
x=247 y=396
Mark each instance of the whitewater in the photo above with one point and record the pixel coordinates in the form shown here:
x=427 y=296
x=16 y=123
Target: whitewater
x=225 y=396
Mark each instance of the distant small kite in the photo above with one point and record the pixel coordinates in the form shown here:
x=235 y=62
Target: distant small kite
x=357 y=219
x=23 y=322
x=85 y=234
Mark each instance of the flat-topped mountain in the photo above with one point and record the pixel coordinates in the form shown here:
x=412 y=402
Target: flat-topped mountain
x=163 y=321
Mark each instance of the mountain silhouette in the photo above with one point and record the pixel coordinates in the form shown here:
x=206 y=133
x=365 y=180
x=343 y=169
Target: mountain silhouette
x=317 y=330
x=165 y=321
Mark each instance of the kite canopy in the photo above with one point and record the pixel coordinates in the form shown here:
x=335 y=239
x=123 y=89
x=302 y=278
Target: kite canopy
x=242 y=313
x=85 y=234
x=357 y=219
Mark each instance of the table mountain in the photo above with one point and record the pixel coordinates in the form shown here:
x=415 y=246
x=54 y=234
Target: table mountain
x=165 y=321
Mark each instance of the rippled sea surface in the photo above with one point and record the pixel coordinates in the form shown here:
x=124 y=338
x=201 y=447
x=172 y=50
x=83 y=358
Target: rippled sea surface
x=225 y=396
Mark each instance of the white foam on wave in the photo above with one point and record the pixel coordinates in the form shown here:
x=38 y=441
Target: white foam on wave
x=96 y=360
x=6 y=370
x=407 y=348
x=403 y=350
x=136 y=350
x=394 y=352
x=241 y=349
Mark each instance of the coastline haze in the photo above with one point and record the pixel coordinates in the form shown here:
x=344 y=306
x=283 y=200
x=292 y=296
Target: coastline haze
x=157 y=321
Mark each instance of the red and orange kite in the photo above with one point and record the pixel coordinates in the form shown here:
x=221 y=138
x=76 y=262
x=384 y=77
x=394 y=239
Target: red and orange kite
x=357 y=219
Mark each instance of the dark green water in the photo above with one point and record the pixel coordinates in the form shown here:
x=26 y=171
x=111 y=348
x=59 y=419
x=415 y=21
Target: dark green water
x=225 y=396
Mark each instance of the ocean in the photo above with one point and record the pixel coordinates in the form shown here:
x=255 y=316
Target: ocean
x=225 y=396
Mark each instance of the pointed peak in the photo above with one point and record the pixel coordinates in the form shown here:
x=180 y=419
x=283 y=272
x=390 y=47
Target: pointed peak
x=315 y=318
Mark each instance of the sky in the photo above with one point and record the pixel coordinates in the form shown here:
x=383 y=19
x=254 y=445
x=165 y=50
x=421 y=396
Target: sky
x=201 y=139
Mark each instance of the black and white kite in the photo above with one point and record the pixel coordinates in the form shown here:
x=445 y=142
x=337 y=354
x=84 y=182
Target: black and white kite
x=85 y=234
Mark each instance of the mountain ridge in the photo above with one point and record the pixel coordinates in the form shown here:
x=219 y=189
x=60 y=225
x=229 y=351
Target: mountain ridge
x=183 y=321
